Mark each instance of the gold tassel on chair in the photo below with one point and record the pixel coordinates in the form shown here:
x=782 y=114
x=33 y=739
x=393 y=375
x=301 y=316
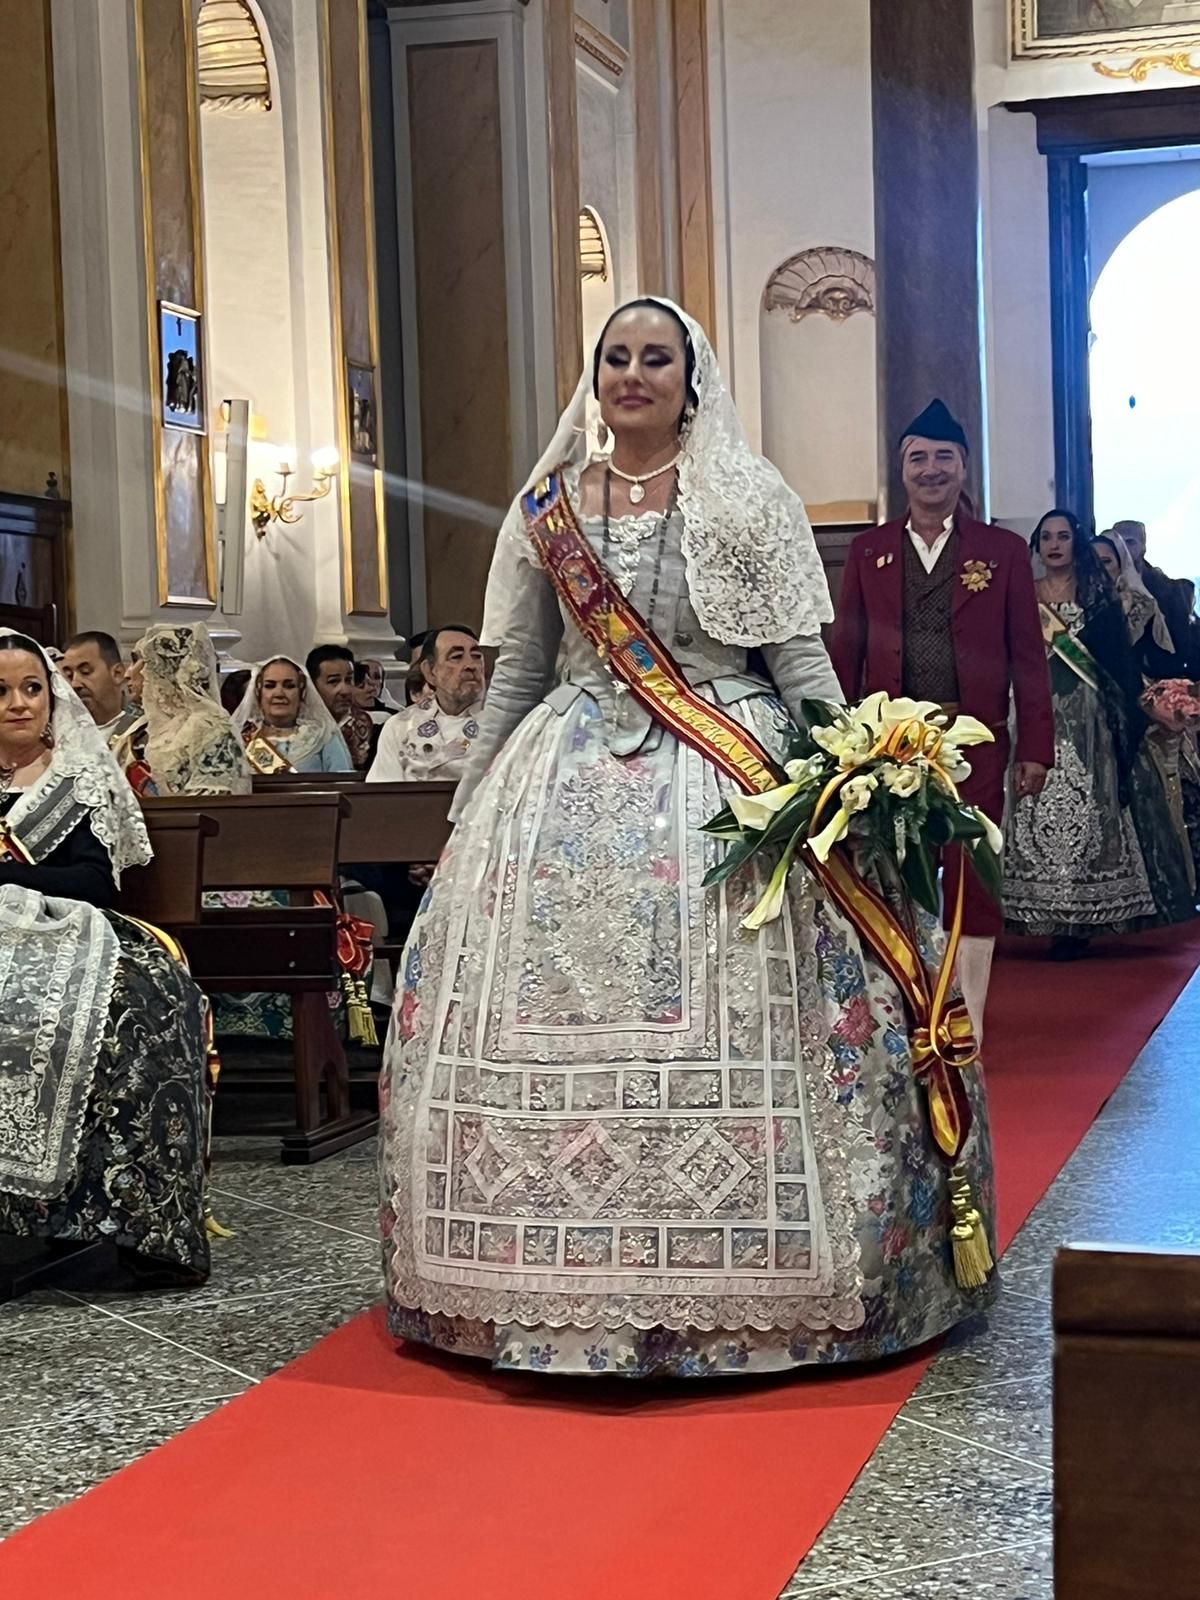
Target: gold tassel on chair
x=972 y=1254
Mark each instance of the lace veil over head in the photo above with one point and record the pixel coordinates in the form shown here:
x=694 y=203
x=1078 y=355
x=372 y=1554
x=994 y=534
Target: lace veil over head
x=185 y=721
x=315 y=726
x=82 y=758
x=754 y=574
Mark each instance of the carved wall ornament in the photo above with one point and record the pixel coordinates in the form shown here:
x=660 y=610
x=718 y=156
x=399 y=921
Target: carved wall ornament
x=1140 y=69
x=231 y=62
x=593 y=255
x=827 y=281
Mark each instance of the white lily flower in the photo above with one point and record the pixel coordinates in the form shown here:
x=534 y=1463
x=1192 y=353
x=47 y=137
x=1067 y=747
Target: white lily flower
x=870 y=711
x=758 y=811
x=856 y=794
x=901 y=781
x=994 y=837
x=829 y=835
x=969 y=730
x=902 y=709
x=771 y=904
x=850 y=743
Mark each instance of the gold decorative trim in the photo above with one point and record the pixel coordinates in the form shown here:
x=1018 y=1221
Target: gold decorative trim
x=593 y=42
x=333 y=227
x=364 y=115
x=1140 y=69
x=208 y=506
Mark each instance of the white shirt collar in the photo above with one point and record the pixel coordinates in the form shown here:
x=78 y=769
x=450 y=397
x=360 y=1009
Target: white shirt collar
x=929 y=553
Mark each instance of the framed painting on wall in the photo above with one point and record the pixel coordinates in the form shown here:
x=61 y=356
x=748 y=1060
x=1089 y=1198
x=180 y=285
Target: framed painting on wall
x=363 y=412
x=1102 y=27
x=181 y=367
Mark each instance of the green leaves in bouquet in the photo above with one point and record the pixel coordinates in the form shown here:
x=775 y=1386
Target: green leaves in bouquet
x=920 y=876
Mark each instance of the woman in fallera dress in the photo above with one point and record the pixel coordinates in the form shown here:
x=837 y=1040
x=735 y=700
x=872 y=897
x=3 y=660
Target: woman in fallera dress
x=1095 y=852
x=620 y=1132
x=285 y=725
x=103 y=1058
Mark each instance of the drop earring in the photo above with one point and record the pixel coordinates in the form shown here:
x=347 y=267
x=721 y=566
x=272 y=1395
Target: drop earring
x=602 y=434
x=48 y=737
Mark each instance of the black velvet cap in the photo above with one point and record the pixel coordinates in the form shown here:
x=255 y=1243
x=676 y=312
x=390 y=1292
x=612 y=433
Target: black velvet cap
x=935 y=422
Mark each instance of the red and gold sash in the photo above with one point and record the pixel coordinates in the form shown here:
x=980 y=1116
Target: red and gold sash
x=632 y=650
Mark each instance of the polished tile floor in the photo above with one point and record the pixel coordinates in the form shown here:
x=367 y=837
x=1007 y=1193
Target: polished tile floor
x=956 y=1502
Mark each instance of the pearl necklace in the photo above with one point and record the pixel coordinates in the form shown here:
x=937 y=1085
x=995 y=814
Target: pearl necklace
x=637 y=481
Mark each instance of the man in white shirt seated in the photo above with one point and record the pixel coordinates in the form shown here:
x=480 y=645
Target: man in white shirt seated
x=431 y=739
x=92 y=665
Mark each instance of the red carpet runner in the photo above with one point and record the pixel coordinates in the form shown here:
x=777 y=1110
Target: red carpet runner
x=358 y=1472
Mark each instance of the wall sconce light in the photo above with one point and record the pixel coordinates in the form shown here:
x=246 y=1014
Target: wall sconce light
x=284 y=507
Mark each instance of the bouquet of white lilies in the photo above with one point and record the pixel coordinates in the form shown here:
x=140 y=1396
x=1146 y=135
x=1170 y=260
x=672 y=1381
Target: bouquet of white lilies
x=882 y=776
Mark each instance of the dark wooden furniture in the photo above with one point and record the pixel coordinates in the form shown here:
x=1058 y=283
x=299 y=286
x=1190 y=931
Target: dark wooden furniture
x=385 y=823
x=167 y=892
x=33 y=565
x=1126 y=1424
x=288 y=842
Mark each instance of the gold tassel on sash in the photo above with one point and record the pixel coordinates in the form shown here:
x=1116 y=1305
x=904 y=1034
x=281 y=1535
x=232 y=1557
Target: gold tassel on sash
x=972 y=1253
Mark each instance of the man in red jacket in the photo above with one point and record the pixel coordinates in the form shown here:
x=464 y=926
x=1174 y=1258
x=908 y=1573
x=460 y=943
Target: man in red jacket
x=940 y=607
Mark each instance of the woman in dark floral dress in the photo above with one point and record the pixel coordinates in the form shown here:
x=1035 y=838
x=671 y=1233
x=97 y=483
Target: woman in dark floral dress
x=102 y=1042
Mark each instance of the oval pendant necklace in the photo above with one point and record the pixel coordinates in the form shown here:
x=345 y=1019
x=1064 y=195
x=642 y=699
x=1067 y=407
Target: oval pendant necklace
x=637 y=481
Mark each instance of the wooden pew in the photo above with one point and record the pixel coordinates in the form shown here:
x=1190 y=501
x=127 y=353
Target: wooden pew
x=1126 y=1424
x=386 y=823
x=167 y=892
x=288 y=842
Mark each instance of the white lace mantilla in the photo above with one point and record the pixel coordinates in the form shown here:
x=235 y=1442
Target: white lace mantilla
x=755 y=576
x=58 y=962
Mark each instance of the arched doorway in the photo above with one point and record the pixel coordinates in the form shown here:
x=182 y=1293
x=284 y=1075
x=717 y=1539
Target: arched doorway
x=1145 y=397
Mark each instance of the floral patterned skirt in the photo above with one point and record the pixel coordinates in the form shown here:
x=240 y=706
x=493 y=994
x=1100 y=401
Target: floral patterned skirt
x=621 y=1133
x=140 y=1173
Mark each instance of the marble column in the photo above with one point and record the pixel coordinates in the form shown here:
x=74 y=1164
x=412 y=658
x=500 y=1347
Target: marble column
x=927 y=227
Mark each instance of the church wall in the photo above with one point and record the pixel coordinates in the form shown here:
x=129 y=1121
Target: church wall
x=791 y=156
x=33 y=439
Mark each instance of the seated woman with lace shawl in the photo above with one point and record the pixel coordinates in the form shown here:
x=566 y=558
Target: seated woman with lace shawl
x=191 y=747
x=285 y=725
x=102 y=1045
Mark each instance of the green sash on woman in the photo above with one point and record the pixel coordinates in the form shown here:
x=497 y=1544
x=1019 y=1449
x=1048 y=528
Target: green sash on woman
x=1072 y=652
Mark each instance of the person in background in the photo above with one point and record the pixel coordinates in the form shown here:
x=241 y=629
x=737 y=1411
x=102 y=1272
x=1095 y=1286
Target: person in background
x=1174 y=595
x=1095 y=851
x=371 y=693
x=92 y=665
x=938 y=606
x=433 y=737
x=285 y=725
x=103 y=1068
x=330 y=667
x=191 y=747
x=233 y=687
x=1149 y=635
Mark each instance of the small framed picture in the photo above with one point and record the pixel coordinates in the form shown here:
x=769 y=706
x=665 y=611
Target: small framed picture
x=363 y=412
x=181 y=367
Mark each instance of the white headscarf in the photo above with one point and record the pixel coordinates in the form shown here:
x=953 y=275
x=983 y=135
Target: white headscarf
x=754 y=573
x=82 y=758
x=190 y=747
x=1139 y=604
x=314 y=728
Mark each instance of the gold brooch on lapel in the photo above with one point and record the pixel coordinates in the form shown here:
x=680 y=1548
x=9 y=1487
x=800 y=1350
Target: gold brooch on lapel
x=975 y=576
